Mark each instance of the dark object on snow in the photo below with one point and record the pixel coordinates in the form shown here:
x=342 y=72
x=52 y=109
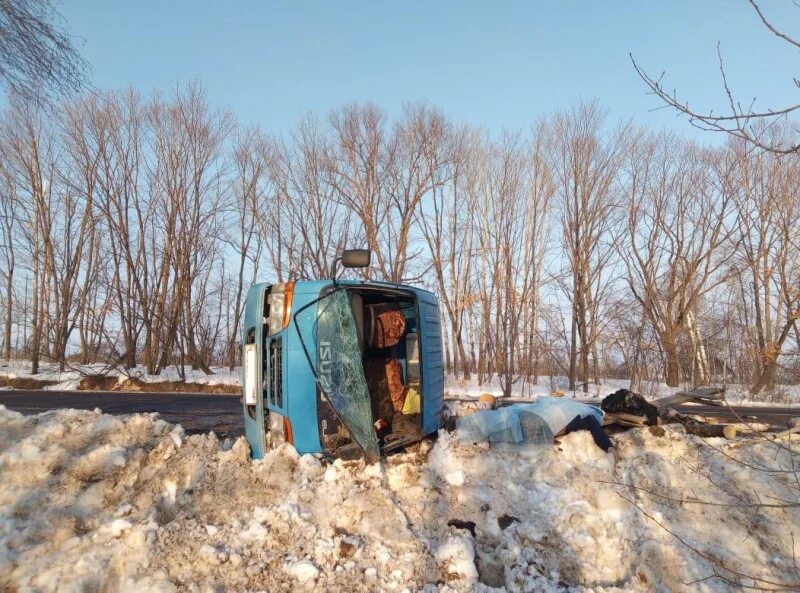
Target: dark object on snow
x=628 y=402
x=592 y=424
x=459 y=524
x=347 y=549
x=504 y=521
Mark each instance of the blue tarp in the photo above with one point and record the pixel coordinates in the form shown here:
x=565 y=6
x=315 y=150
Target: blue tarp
x=523 y=424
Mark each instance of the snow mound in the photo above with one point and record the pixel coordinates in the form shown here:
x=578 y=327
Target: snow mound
x=91 y=502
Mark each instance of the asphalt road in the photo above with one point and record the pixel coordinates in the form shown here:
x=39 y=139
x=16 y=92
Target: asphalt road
x=203 y=412
x=196 y=412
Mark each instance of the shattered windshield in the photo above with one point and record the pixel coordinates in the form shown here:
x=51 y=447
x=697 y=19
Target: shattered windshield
x=336 y=362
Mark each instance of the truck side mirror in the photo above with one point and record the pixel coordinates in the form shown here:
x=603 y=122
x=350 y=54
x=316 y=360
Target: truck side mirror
x=356 y=258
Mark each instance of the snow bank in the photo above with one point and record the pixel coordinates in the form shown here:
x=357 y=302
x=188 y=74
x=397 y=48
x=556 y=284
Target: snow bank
x=90 y=502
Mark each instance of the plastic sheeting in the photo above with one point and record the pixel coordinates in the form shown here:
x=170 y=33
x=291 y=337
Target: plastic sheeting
x=340 y=372
x=523 y=426
x=558 y=412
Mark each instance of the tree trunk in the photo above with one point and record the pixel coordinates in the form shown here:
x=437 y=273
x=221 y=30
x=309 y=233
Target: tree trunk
x=672 y=364
x=9 y=304
x=770 y=370
x=35 y=319
x=573 y=350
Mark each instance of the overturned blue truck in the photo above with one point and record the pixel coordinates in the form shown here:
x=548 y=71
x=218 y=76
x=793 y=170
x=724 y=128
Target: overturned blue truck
x=345 y=368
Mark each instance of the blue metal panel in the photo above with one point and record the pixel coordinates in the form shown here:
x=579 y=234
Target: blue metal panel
x=300 y=389
x=431 y=362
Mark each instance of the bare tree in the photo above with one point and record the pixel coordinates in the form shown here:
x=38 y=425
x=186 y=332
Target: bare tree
x=446 y=221
x=37 y=57
x=678 y=227
x=512 y=214
x=141 y=222
x=250 y=172
x=187 y=180
x=540 y=189
x=586 y=162
x=318 y=225
x=118 y=125
x=358 y=172
x=741 y=120
x=418 y=167
x=10 y=220
x=382 y=177
x=30 y=142
x=767 y=208
x=500 y=211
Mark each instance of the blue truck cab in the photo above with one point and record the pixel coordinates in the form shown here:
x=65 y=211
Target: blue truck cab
x=344 y=368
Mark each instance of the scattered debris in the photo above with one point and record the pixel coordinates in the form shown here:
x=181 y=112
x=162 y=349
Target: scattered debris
x=623 y=419
x=466 y=525
x=727 y=431
x=771 y=437
x=749 y=427
x=505 y=521
x=348 y=547
x=710 y=396
x=486 y=401
x=631 y=408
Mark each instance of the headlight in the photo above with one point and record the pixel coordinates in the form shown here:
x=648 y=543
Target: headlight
x=280 y=430
x=280 y=306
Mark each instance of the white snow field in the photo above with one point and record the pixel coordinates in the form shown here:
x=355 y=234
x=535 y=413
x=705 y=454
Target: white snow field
x=69 y=379
x=736 y=394
x=96 y=503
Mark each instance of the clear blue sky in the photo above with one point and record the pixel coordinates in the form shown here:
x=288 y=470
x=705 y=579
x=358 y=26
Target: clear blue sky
x=498 y=64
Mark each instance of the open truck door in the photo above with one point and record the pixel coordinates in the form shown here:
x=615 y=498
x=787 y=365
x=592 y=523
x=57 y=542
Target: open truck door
x=337 y=365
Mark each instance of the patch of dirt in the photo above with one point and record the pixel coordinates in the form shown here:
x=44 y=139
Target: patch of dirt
x=106 y=383
x=25 y=383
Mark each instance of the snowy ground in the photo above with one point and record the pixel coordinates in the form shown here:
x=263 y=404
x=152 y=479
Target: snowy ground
x=69 y=379
x=90 y=502
x=735 y=394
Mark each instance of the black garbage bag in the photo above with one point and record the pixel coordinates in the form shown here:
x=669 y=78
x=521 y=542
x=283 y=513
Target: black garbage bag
x=628 y=402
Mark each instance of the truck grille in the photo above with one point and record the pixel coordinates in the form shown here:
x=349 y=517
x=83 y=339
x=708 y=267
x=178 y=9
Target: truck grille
x=276 y=373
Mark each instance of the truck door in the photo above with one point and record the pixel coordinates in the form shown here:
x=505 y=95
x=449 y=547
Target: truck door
x=431 y=358
x=328 y=334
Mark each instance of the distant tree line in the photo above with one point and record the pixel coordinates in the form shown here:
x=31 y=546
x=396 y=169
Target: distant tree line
x=131 y=228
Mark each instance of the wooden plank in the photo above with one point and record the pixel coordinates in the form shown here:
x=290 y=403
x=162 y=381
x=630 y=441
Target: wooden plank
x=712 y=430
x=712 y=396
x=770 y=437
x=670 y=401
x=624 y=419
